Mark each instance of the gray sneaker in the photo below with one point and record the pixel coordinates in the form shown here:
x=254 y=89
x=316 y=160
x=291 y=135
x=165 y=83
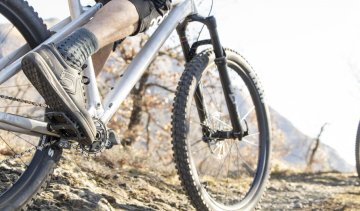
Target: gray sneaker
x=61 y=86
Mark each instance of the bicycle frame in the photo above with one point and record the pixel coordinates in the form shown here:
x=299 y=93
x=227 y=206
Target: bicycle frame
x=183 y=12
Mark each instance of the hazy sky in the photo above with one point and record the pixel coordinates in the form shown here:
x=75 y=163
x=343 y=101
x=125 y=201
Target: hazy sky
x=305 y=52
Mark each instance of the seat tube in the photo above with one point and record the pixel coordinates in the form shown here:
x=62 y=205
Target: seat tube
x=75 y=8
x=94 y=105
x=221 y=64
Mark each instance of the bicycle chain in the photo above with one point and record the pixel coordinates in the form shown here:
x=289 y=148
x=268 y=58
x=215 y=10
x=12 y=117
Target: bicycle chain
x=24 y=101
x=7 y=160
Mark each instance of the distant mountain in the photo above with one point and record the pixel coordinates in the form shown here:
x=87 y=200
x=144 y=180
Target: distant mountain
x=297 y=145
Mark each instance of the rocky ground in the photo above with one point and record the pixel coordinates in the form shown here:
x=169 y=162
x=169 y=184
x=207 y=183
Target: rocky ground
x=89 y=185
x=312 y=191
x=81 y=184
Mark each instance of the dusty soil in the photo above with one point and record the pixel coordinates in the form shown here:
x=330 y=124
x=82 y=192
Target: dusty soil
x=88 y=185
x=312 y=191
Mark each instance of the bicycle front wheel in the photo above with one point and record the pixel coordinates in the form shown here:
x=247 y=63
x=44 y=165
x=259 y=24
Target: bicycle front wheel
x=220 y=173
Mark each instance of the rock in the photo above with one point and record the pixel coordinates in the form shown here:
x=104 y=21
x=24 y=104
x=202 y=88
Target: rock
x=273 y=188
x=81 y=193
x=110 y=199
x=298 y=205
x=122 y=185
x=103 y=204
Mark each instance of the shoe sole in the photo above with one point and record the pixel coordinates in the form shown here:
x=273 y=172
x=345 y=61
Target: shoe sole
x=44 y=80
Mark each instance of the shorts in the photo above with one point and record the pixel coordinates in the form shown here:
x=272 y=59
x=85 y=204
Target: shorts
x=149 y=11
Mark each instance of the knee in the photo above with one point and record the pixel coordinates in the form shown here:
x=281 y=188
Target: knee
x=125 y=11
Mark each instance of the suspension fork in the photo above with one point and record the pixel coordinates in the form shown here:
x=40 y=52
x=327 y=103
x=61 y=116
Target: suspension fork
x=199 y=100
x=221 y=63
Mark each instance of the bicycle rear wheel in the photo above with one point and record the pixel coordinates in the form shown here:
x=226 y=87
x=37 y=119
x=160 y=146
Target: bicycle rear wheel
x=25 y=167
x=220 y=173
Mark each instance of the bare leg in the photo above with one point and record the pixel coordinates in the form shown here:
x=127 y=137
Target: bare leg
x=114 y=21
x=100 y=57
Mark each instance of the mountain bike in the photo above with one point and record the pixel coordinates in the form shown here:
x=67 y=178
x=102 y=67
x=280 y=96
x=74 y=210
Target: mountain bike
x=357 y=150
x=220 y=124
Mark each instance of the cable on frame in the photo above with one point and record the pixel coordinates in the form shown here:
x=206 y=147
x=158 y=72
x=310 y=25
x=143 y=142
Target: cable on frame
x=202 y=28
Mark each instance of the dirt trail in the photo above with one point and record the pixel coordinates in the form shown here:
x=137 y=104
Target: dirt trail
x=87 y=185
x=316 y=191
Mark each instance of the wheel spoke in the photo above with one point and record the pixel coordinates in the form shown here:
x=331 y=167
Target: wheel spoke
x=249 y=142
x=211 y=98
x=237 y=160
x=215 y=118
x=6 y=35
x=12 y=150
x=252 y=134
x=227 y=154
x=196 y=142
x=227 y=174
x=248 y=113
x=23 y=139
x=200 y=149
x=202 y=124
x=245 y=100
x=203 y=161
x=222 y=164
x=222 y=122
x=248 y=167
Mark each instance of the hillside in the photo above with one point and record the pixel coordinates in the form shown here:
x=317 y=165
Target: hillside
x=296 y=146
x=80 y=184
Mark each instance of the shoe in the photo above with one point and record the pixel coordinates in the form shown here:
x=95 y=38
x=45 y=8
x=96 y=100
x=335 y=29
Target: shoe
x=61 y=86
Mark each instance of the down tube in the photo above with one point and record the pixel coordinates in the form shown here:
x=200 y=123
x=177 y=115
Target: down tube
x=143 y=59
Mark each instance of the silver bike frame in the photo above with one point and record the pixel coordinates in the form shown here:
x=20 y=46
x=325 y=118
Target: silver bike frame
x=11 y=64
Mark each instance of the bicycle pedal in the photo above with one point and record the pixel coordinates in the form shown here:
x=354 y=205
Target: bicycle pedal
x=113 y=139
x=60 y=123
